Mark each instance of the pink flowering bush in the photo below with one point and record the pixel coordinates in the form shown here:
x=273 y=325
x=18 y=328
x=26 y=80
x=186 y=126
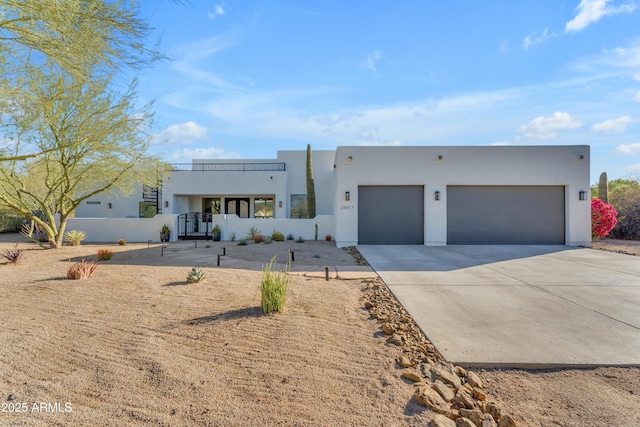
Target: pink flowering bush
x=603 y=218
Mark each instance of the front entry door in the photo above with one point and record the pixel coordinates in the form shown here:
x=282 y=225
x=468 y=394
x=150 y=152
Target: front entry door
x=239 y=207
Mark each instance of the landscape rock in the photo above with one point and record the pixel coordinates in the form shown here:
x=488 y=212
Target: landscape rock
x=495 y=410
x=387 y=329
x=464 y=399
x=474 y=379
x=446 y=373
x=475 y=415
x=441 y=421
x=444 y=391
x=479 y=394
x=430 y=398
x=507 y=421
x=464 y=422
x=405 y=362
x=487 y=421
x=412 y=376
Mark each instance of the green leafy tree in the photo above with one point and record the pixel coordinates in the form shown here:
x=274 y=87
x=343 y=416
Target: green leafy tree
x=81 y=37
x=91 y=138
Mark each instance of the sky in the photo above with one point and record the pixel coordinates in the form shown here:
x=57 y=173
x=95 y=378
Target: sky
x=249 y=78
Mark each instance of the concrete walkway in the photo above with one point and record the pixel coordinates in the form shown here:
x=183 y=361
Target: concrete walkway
x=519 y=306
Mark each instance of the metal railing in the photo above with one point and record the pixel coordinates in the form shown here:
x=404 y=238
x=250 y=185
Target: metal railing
x=226 y=167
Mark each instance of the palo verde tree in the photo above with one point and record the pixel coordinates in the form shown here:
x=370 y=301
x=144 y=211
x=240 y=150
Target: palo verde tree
x=81 y=37
x=90 y=136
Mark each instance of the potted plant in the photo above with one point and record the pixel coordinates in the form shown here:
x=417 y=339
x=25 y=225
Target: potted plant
x=216 y=232
x=165 y=233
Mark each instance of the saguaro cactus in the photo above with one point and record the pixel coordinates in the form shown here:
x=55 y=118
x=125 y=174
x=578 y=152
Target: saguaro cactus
x=311 y=188
x=603 y=188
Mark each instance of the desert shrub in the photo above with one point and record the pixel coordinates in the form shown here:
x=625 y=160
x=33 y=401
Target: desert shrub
x=196 y=275
x=300 y=240
x=9 y=220
x=267 y=240
x=13 y=255
x=104 y=254
x=290 y=237
x=74 y=237
x=82 y=270
x=328 y=237
x=274 y=287
x=603 y=218
x=233 y=236
x=253 y=231
x=258 y=238
x=242 y=242
x=277 y=236
x=122 y=242
x=626 y=200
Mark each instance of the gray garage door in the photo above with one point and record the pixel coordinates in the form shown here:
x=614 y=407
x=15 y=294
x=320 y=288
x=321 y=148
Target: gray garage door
x=505 y=215
x=391 y=215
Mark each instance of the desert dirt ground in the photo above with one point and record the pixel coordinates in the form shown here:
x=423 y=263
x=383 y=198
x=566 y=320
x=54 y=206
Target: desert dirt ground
x=137 y=345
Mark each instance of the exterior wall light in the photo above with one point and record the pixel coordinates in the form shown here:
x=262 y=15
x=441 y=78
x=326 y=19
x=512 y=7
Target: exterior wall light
x=581 y=157
x=440 y=157
x=437 y=196
x=280 y=204
x=347 y=196
x=350 y=158
x=166 y=204
x=582 y=195
x=109 y=205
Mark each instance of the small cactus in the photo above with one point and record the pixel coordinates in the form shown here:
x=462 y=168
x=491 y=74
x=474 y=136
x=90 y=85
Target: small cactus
x=195 y=275
x=74 y=237
x=277 y=236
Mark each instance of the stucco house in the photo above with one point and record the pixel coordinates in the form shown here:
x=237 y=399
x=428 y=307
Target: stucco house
x=425 y=195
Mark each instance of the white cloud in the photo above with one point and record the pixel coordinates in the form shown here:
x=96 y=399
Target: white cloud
x=637 y=97
x=182 y=134
x=218 y=10
x=504 y=46
x=188 y=154
x=533 y=38
x=501 y=143
x=636 y=76
x=590 y=11
x=370 y=62
x=628 y=148
x=544 y=128
x=613 y=125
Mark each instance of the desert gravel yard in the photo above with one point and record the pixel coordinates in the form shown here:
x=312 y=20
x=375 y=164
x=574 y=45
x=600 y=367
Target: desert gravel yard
x=136 y=345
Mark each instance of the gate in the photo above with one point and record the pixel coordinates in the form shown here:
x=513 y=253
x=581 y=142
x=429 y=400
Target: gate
x=194 y=226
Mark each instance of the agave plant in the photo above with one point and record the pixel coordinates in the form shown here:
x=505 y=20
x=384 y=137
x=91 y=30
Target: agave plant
x=13 y=255
x=82 y=270
x=195 y=275
x=74 y=237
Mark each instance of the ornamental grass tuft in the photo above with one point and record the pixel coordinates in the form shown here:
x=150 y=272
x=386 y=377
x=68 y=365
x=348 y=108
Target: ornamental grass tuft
x=274 y=287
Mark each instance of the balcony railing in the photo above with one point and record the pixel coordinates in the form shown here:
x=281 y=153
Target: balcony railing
x=226 y=167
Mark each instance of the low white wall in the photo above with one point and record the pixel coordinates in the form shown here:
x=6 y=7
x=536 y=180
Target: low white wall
x=110 y=230
x=304 y=228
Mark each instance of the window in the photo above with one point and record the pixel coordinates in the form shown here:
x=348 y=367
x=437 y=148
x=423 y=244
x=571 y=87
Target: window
x=298 y=206
x=263 y=207
x=147 y=210
x=210 y=205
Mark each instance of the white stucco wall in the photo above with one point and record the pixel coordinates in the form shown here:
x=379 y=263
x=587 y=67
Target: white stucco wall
x=121 y=206
x=469 y=165
x=323 y=177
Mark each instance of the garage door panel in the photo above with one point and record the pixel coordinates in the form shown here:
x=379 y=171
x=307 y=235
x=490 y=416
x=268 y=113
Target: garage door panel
x=505 y=215
x=391 y=215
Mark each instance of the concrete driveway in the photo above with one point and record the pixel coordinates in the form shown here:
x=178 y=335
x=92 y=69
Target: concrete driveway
x=519 y=306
